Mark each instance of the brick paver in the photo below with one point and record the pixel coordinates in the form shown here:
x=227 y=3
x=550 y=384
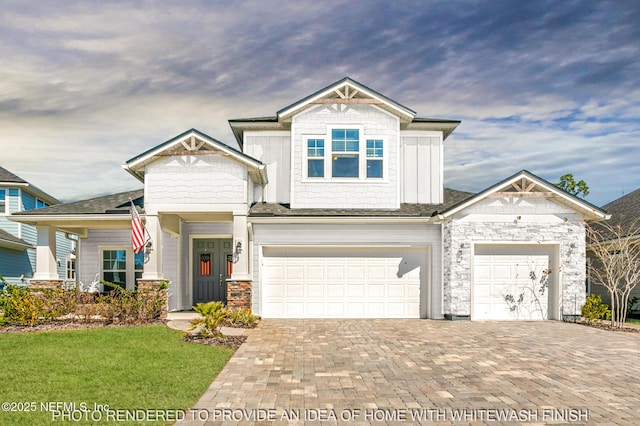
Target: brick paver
x=426 y=372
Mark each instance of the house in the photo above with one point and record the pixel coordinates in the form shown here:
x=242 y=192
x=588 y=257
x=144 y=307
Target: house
x=334 y=207
x=18 y=240
x=625 y=212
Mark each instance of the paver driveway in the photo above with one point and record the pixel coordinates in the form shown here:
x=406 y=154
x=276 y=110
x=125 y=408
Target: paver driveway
x=426 y=372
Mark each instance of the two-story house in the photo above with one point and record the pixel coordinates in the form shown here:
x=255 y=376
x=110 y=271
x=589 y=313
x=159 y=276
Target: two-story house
x=334 y=207
x=18 y=240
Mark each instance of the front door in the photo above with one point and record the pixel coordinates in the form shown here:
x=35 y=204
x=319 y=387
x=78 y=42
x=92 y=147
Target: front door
x=211 y=269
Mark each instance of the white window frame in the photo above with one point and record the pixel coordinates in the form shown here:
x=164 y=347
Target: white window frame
x=3 y=201
x=130 y=271
x=38 y=200
x=362 y=156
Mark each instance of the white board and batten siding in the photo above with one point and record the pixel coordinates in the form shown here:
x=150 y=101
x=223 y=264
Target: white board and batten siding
x=274 y=150
x=349 y=271
x=422 y=162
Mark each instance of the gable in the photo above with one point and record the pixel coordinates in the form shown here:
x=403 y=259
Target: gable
x=194 y=143
x=348 y=92
x=525 y=192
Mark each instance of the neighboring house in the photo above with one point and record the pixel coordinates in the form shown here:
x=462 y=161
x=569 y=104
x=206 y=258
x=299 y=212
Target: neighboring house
x=18 y=240
x=334 y=207
x=625 y=212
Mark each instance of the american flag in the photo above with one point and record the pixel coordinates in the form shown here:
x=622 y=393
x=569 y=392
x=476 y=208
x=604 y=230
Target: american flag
x=137 y=230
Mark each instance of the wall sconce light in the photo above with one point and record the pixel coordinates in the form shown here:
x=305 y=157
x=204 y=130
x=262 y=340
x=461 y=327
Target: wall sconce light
x=572 y=247
x=518 y=219
x=237 y=251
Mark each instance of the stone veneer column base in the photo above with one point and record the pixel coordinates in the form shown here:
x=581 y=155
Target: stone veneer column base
x=45 y=284
x=239 y=294
x=155 y=286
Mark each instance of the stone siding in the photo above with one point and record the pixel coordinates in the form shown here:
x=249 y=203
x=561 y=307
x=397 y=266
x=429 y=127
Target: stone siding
x=459 y=236
x=239 y=295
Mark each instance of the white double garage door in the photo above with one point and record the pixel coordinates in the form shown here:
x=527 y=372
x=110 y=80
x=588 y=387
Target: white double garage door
x=343 y=282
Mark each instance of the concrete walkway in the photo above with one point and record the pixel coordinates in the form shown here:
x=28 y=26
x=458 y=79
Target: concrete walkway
x=425 y=372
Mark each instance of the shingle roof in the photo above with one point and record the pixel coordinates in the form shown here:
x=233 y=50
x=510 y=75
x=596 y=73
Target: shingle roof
x=109 y=204
x=451 y=198
x=625 y=210
x=6 y=237
x=7 y=176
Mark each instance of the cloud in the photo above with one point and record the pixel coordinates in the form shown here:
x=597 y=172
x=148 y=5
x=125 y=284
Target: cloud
x=548 y=86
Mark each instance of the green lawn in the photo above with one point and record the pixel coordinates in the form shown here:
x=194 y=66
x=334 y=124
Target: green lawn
x=633 y=320
x=129 y=368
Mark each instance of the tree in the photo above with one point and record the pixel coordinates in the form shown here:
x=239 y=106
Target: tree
x=615 y=253
x=569 y=184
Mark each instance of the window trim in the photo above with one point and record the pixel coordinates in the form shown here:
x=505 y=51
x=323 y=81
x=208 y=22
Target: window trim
x=130 y=271
x=362 y=156
x=3 y=201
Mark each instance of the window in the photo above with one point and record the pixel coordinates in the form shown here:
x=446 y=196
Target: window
x=114 y=267
x=138 y=265
x=374 y=158
x=71 y=269
x=3 y=201
x=40 y=204
x=346 y=158
x=122 y=267
x=315 y=157
x=345 y=153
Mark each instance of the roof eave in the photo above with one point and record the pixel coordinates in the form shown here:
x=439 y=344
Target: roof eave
x=303 y=103
x=593 y=212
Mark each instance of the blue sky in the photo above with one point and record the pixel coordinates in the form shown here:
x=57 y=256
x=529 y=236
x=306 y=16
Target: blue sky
x=547 y=86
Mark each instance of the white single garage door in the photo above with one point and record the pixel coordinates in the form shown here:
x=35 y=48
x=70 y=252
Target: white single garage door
x=512 y=282
x=343 y=282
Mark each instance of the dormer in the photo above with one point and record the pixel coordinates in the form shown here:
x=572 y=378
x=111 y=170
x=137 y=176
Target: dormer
x=348 y=146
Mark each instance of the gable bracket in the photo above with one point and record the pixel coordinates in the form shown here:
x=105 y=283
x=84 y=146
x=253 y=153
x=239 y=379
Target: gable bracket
x=506 y=194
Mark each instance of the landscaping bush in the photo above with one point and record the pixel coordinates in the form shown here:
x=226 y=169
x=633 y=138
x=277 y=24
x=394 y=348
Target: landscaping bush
x=594 y=310
x=30 y=306
x=242 y=318
x=213 y=314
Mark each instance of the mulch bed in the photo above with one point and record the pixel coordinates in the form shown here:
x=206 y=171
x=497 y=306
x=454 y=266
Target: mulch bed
x=607 y=326
x=232 y=342
x=66 y=325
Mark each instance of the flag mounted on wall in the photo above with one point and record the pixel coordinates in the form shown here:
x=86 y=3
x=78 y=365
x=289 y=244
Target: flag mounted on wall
x=137 y=230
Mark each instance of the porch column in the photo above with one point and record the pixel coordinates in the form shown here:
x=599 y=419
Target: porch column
x=153 y=256
x=240 y=248
x=46 y=264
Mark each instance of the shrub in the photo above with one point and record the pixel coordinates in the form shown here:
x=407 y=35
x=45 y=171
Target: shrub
x=213 y=314
x=243 y=318
x=594 y=310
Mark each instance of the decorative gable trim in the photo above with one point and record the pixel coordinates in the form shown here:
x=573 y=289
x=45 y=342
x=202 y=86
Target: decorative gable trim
x=194 y=142
x=525 y=184
x=347 y=91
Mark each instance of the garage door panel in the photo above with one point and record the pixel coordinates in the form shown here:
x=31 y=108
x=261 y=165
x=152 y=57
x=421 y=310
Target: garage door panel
x=343 y=282
x=315 y=290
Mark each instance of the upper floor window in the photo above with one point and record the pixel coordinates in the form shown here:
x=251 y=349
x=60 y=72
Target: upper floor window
x=40 y=204
x=348 y=158
x=3 y=201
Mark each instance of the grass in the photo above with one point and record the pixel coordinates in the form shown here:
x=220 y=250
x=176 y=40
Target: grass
x=144 y=367
x=633 y=320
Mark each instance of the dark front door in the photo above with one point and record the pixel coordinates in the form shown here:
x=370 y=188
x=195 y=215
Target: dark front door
x=210 y=269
